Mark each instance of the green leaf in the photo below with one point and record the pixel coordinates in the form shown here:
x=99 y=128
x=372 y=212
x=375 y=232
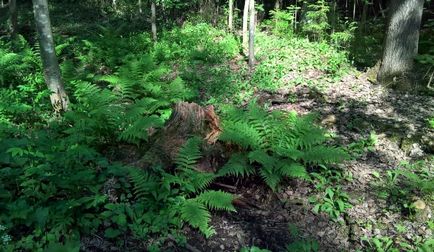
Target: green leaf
x=217 y=200
x=41 y=216
x=196 y=214
x=112 y=233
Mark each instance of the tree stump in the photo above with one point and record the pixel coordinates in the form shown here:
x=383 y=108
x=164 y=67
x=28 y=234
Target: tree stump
x=187 y=120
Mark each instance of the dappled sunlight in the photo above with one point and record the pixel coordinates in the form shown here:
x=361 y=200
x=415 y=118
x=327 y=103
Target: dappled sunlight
x=150 y=126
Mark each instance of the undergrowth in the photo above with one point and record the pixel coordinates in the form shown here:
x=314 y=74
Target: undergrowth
x=57 y=186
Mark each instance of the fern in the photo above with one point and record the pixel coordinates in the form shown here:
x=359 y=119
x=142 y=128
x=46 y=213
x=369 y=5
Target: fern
x=197 y=215
x=324 y=155
x=240 y=133
x=144 y=183
x=279 y=144
x=271 y=177
x=292 y=169
x=237 y=166
x=189 y=154
x=217 y=200
x=139 y=129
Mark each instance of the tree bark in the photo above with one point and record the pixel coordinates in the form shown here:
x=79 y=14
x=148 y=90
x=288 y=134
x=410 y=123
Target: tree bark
x=401 y=43
x=231 y=15
x=362 y=27
x=252 y=34
x=13 y=17
x=154 y=21
x=58 y=97
x=245 y=22
x=354 y=10
x=277 y=4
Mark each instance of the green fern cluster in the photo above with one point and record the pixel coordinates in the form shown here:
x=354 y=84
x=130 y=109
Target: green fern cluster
x=123 y=106
x=280 y=144
x=193 y=202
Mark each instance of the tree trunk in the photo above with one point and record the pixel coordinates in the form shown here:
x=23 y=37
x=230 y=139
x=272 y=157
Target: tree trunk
x=13 y=17
x=252 y=34
x=140 y=7
x=245 y=22
x=277 y=4
x=58 y=97
x=154 y=21
x=334 y=15
x=231 y=15
x=362 y=26
x=354 y=10
x=114 y=4
x=401 y=43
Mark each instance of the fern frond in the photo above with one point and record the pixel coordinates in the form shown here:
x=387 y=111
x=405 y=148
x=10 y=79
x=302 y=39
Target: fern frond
x=271 y=177
x=144 y=184
x=217 y=200
x=324 y=155
x=138 y=131
x=237 y=166
x=262 y=158
x=197 y=181
x=189 y=154
x=197 y=215
x=292 y=169
x=241 y=133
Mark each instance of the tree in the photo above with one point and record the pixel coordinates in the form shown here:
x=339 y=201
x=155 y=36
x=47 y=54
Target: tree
x=13 y=17
x=252 y=34
x=58 y=97
x=245 y=22
x=401 y=43
x=154 y=21
x=231 y=15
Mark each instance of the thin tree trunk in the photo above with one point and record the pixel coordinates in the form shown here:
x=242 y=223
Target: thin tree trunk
x=334 y=15
x=277 y=4
x=252 y=34
x=231 y=15
x=245 y=22
x=382 y=11
x=354 y=10
x=401 y=43
x=114 y=5
x=154 y=21
x=13 y=17
x=58 y=97
x=363 y=19
x=140 y=7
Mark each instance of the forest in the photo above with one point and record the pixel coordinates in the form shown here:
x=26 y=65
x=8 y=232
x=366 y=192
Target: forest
x=217 y=125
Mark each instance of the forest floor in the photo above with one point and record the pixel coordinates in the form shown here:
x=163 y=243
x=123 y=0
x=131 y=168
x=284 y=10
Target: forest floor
x=353 y=109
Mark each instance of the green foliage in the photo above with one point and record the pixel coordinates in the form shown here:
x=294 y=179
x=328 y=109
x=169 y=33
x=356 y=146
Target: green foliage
x=315 y=22
x=296 y=57
x=431 y=122
x=200 y=42
x=283 y=21
x=301 y=244
x=254 y=249
x=307 y=245
x=363 y=145
x=387 y=244
x=279 y=144
x=180 y=193
x=403 y=184
x=334 y=203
